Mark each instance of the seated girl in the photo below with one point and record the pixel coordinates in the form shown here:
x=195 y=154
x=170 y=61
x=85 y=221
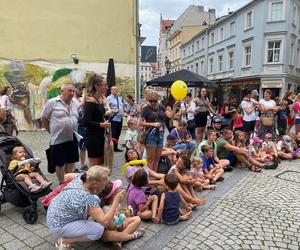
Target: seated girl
x=255 y=150
x=284 y=148
x=24 y=171
x=251 y=163
x=196 y=172
x=186 y=182
x=143 y=206
x=269 y=147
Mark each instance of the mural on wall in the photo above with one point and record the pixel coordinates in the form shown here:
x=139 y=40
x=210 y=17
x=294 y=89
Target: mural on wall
x=32 y=85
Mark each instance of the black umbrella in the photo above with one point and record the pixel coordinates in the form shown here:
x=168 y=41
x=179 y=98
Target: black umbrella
x=111 y=76
x=190 y=78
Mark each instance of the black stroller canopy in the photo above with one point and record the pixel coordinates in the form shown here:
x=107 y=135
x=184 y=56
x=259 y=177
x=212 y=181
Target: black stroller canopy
x=190 y=78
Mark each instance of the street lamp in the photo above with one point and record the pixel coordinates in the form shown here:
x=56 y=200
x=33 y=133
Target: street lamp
x=167 y=64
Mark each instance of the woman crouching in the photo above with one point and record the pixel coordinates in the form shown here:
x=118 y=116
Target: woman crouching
x=68 y=213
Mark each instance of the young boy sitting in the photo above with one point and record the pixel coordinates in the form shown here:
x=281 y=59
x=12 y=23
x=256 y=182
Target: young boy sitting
x=212 y=170
x=23 y=171
x=168 y=210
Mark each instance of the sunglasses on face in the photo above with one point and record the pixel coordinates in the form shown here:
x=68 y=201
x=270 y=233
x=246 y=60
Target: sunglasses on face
x=153 y=101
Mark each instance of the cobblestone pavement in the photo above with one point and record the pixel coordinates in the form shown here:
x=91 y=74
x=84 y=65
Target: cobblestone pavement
x=261 y=212
x=246 y=211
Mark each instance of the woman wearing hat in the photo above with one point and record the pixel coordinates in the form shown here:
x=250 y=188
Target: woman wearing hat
x=68 y=213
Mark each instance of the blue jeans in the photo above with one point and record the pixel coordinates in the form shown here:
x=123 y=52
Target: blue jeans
x=185 y=146
x=155 y=140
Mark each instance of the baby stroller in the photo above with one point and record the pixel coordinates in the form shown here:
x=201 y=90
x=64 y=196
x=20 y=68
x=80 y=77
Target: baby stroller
x=14 y=192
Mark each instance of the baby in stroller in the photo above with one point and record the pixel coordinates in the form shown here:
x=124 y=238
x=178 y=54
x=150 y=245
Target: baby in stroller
x=22 y=170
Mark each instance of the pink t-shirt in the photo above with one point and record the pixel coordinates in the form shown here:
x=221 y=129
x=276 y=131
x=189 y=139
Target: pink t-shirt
x=136 y=196
x=238 y=122
x=296 y=108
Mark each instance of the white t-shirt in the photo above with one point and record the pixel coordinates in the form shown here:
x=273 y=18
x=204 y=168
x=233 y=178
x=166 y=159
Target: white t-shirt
x=267 y=104
x=131 y=135
x=191 y=109
x=245 y=105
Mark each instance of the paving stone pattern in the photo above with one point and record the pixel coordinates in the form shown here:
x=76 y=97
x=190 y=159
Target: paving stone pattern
x=261 y=212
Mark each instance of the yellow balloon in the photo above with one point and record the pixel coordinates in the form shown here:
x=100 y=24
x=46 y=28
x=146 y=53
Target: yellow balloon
x=179 y=90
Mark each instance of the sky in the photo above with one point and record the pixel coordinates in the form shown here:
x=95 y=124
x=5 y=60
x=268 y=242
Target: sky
x=150 y=11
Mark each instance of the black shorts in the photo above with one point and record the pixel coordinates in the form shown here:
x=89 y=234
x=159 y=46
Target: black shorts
x=94 y=146
x=248 y=126
x=201 y=119
x=64 y=153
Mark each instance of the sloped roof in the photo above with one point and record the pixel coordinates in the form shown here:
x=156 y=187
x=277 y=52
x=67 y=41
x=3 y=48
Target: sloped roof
x=193 y=15
x=190 y=78
x=166 y=25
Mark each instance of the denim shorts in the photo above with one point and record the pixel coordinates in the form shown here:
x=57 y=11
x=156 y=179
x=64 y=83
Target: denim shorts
x=297 y=121
x=155 y=140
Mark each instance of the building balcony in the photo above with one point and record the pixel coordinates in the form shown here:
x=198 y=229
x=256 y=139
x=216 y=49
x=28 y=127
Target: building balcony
x=221 y=75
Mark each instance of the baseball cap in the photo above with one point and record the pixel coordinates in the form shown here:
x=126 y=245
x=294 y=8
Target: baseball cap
x=255 y=92
x=115 y=185
x=79 y=85
x=171 y=137
x=217 y=119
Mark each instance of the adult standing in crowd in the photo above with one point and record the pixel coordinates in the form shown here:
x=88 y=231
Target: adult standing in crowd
x=153 y=117
x=268 y=110
x=68 y=214
x=59 y=118
x=289 y=95
x=248 y=106
x=79 y=100
x=230 y=108
x=4 y=97
x=94 y=120
x=117 y=107
x=172 y=106
x=296 y=111
x=187 y=113
x=131 y=109
x=203 y=109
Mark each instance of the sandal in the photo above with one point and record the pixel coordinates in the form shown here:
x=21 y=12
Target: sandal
x=59 y=245
x=254 y=169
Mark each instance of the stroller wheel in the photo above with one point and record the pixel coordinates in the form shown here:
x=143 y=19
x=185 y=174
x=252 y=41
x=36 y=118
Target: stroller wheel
x=30 y=215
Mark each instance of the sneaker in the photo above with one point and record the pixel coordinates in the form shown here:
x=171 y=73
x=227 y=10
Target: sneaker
x=46 y=184
x=34 y=188
x=139 y=233
x=228 y=169
x=221 y=179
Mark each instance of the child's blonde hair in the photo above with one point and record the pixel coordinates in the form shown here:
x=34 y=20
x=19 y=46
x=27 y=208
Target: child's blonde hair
x=196 y=160
x=16 y=150
x=131 y=122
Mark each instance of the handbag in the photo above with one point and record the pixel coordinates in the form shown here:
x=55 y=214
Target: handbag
x=267 y=120
x=51 y=167
x=108 y=150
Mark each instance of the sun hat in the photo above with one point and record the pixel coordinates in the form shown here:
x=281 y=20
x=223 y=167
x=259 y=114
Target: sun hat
x=115 y=185
x=257 y=139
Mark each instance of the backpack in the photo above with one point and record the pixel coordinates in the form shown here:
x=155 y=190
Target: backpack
x=164 y=165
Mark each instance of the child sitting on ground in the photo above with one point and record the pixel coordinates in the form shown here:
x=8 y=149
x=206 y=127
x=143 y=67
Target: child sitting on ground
x=169 y=211
x=143 y=206
x=284 y=148
x=23 y=171
x=186 y=182
x=196 y=172
x=269 y=148
x=213 y=171
x=131 y=136
x=255 y=150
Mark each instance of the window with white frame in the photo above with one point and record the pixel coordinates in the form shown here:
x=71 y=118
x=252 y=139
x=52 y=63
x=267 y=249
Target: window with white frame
x=276 y=11
x=247 y=55
x=202 y=42
x=189 y=51
x=192 y=68
x=273 y=51
x=202 y=67
x=221 y=34
x=211 y=65
x=192 y=48
x=230 y=59
x=298 y=58
x=197 y=45
x=292 y=54
x=197 y=68
x=249 y=20
x=231 y=28
x=212 y=38
x=294 y=14
x=220 y=63
x=184 y=53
